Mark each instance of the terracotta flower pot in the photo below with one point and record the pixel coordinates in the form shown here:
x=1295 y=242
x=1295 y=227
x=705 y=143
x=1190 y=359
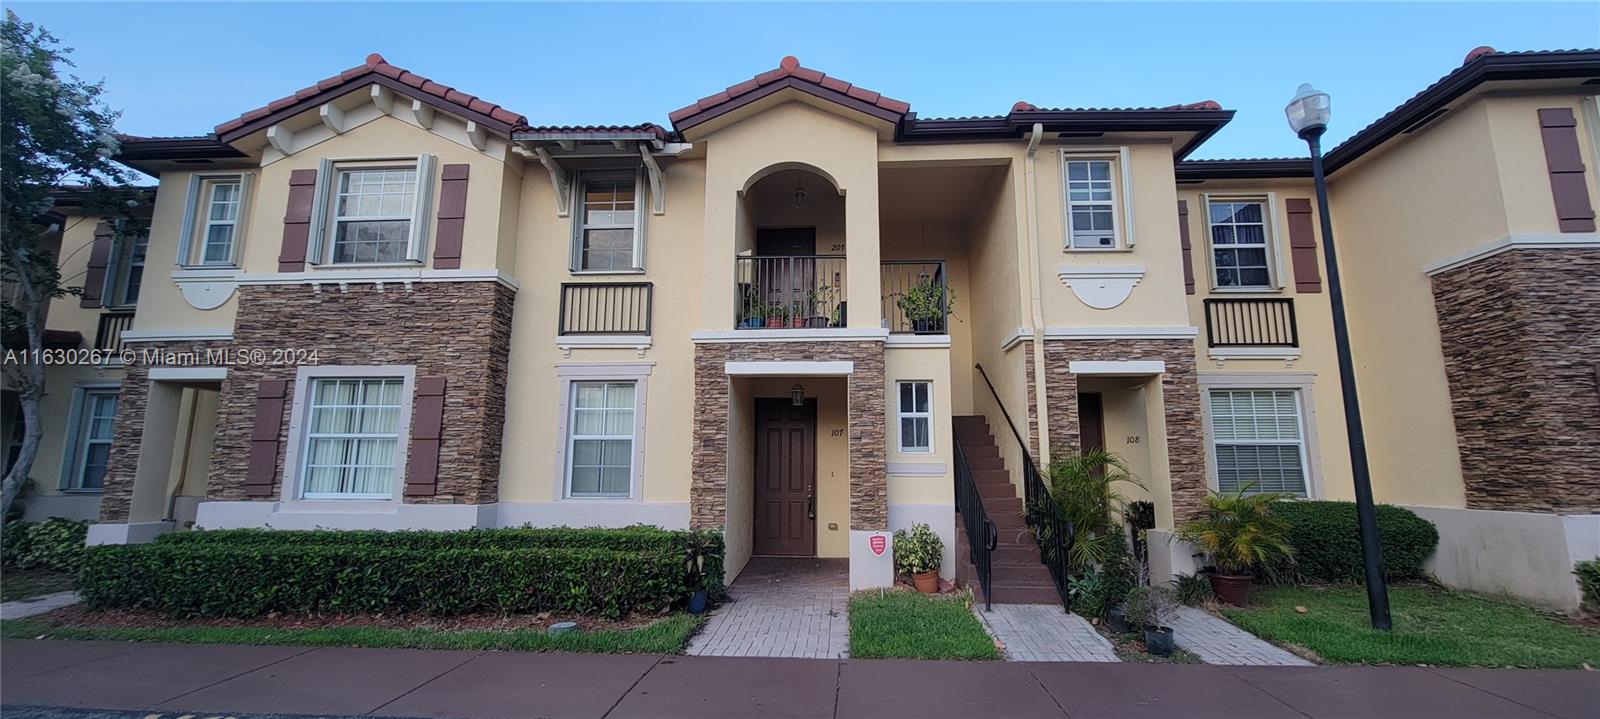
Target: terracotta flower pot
x=1231 y=588
x=926 y=582
x=776 y=322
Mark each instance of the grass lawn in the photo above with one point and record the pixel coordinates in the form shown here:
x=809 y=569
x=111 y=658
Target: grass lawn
x=24 y=583
x=1431 y=626
x=910 y=625
x=668 y=635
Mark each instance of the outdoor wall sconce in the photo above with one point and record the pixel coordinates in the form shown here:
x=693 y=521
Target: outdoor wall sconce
x=799 y=191
x=797 y=395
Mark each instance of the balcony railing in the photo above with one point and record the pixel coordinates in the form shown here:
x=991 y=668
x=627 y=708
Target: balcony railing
x=916 y=297
x=109 y=335
x=606 y=308
x=1251 y=322
x=789 y=291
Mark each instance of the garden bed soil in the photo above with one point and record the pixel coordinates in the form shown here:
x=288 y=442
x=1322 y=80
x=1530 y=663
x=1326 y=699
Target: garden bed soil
x=82 y=617
x=1130 y=648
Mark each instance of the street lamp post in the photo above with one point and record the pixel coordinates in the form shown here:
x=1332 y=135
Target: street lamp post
x=1308 y=116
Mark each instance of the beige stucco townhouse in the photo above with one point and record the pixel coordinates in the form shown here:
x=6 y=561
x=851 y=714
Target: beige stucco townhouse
x=381 y=302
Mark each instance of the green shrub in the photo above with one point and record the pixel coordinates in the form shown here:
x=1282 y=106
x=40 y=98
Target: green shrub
x=1588 y=572
x=249 y=573
x=1327 y=541
x=918 y=551
x=55 y=544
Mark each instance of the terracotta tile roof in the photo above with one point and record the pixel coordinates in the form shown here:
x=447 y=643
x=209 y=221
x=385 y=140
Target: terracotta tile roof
x=789 y=67
x=1022 y=106
x=658 y=131
x=377 y=66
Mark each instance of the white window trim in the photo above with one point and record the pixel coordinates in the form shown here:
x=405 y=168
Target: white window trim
x=1301 y=382
x=900 y=414
x=72 y=458
x=1269 y=209
x=293 y=457
x=640 y=199
x=196 y=207
x=569 y=372
x=1122 y=230
x=319 y=249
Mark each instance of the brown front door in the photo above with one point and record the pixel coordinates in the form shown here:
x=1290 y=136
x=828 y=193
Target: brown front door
x=786 y=478
x=1091 y=421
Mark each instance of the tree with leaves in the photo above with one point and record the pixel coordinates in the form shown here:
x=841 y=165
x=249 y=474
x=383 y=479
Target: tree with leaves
x=57 y=132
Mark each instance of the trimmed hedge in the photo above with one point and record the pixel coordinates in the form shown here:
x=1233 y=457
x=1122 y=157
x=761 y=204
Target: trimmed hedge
x=250 y=573
x=1327 y=541
x=55 y=544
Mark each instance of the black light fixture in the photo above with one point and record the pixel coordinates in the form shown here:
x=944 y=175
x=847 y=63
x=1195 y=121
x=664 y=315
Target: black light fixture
x=797 y=395
x=799 y=190
x=1308 y=116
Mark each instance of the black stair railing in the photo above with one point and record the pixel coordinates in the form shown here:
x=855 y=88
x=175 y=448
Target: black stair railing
x=1052 y=531
x=982 y=537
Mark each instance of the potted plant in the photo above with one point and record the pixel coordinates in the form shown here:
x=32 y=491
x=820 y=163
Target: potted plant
x=777 y=314
x=918 y=553
x=925 y=305
x=797 y=313
x=755 y=315
x=819 y=299
x=1152 y=609
x=700 y=546
x=1239 y=532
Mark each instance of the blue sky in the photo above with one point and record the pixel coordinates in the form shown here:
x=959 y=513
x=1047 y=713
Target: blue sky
x=181 y=68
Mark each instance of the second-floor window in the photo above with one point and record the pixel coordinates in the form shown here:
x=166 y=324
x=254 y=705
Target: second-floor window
x=372 y=214
x=213 y=223
x=1239 y=257
x=221 y=224
x=607 y=233
x=130 y=270
x=1091 y=204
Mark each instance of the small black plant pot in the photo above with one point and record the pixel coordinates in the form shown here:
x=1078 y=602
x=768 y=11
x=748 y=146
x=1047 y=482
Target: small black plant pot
x=697 y=602
x=927 y=327
x=1158 y=641
x=816 y=322
x=1117 y=620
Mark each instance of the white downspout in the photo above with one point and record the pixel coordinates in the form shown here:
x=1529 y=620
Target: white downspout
x=1036 y=304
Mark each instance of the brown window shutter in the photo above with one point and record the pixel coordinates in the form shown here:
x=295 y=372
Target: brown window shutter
x=263 y=472
x=94 y=280
x=452 y=217
x=1188 y=251
x=1559 y=129
x=297 y=220
x=427 y=422
x=1303 y=246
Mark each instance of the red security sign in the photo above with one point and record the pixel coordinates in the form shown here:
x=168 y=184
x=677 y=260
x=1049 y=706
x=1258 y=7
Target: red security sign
x=878 y=543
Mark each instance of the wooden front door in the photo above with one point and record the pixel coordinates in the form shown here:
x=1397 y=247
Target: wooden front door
x=786 y=478
x=1091 y=421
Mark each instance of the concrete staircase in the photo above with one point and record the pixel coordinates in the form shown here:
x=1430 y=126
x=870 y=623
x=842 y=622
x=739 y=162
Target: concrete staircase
x=1017 y=576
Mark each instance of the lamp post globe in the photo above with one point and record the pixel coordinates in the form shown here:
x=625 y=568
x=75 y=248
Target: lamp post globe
x=1308 y=111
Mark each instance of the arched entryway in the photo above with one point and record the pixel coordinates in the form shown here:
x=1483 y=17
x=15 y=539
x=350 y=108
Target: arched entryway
x=790 y=247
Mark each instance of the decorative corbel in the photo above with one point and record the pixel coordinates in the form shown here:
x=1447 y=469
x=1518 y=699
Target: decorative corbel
x=560 y=179
x=383 y=99
x=332 y=118
x=658 y=181
x=422 y=113
x=567 y=145
x=478 y=136
x=281 y=138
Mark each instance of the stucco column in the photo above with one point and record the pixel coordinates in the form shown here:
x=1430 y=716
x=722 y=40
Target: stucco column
x=862 y=257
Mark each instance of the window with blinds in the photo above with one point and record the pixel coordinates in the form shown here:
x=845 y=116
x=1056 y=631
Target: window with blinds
x=353 y=441
x=1259 y=440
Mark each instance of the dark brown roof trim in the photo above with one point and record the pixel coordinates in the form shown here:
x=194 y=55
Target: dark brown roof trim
x=203 y=147
x=309 y=102
x=1488 y=67
x=1199 y=170
x=687 y=121
x=1203 y=122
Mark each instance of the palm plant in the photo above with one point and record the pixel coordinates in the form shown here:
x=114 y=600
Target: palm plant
x=1084 y=486
x=1239 y=531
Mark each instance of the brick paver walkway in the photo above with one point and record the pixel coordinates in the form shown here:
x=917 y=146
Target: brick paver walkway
x=1045 y=633
x=782 y=607
x=1216 y=641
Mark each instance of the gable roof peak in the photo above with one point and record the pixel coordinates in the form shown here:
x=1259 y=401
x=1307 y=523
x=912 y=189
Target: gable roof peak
x=789 y=72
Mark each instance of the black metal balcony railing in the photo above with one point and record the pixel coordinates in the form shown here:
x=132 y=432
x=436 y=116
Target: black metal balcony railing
x=789 y=291
x=109 y=334
x=916 y=296
x=1251 y=322
x=606 y=308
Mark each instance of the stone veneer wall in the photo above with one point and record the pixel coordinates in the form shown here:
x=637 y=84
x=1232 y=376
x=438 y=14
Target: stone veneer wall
x=1186 y=450
x=116 y=494
x=457 y=330
x=869 y=483
x=1520 y=332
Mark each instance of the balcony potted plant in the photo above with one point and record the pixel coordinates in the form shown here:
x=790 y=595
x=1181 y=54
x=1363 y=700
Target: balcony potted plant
x=777 y=315
x=925 y=305
x=819 y=299
x=797 y=313
x=918 y=553
x=1152 y=609
x=755 y=311
x=1239 y=532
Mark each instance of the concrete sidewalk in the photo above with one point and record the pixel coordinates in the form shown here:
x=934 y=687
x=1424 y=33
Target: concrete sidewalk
x=241 y=681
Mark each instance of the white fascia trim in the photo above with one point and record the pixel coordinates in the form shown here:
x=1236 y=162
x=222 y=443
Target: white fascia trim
x=608 y=370
x=1118 y=367
x=1022 y=334
x=929 y=341
x=831 y=334
x=1121 y=333
x=1512 y=242
x=917 y=469
x=386 y=275
x=202 y=273
x=178 y=334
x=789 y=369
x=188 y=374
x=623 y=341
x=1253 y=352
x=1255 y=380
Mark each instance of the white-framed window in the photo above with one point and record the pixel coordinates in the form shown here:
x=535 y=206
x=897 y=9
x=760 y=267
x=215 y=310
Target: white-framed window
x=221 y=225
x=1259 y=439
x=1091 y=204
x=608 y=227
x=1240 y=231
x=94 y=416
x=915 y=409
x=353 y=438
x=600 y=439
x=213 y=221
x=372 y=212
x=129 y=277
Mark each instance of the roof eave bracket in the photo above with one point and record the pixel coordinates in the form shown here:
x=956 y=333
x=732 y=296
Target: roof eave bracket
x=658 y=181
x=560 y=179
